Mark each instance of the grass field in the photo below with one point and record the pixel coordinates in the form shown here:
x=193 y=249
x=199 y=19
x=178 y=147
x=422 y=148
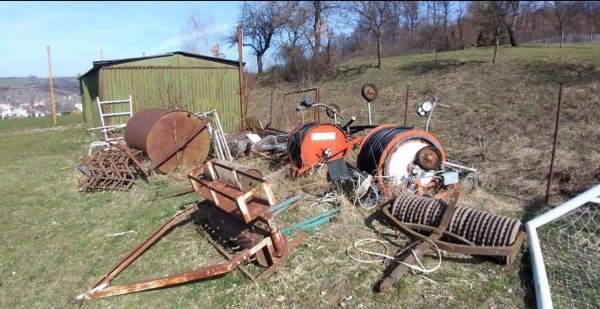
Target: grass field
x=57 y=241
x=18 y=124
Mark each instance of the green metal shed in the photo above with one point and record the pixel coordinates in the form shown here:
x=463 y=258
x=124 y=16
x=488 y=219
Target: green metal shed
x=189 y=82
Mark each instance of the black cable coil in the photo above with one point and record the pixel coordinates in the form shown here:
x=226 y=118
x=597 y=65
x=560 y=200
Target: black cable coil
x=372 y=149
x=295 y=143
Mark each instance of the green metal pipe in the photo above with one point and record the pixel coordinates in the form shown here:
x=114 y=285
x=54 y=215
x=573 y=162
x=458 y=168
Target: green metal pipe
x=314 y=221
x=284 y=205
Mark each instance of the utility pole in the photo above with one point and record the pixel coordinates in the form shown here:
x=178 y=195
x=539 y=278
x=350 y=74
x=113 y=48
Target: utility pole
x=51 y=87
x=241 y=65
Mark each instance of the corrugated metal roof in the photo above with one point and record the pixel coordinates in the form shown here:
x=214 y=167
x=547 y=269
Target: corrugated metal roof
x=100 y=64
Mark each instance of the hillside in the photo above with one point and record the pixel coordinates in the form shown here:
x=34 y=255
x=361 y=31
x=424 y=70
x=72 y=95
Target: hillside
x=501 y=117
x=18 y=90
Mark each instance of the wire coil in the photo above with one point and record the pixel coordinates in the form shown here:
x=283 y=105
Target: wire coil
x=295 y=143
x=370 y=153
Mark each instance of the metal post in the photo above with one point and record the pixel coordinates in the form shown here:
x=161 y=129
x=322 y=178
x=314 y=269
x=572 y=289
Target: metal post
x=554 y=144
x=271 y=107
x=406 y=105
x=51 y=87
x=369 y=109
x=318 y=100
x=241 y=65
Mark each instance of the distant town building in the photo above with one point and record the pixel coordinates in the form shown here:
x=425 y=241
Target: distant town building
x=38 y=102
x=14 y=112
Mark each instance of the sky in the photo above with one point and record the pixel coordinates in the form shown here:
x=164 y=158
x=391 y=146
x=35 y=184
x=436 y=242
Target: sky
x=76 y=32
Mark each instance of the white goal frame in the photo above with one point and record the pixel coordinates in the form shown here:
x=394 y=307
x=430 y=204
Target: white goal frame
x=542 y=287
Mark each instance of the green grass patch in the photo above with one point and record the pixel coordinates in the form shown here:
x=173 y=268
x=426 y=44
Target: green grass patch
x=16 y=124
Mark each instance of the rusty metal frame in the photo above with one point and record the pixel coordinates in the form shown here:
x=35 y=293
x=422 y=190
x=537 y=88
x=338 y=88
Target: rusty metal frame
x=242 y=202
x=281 y=107
x=99 y=289
x=316 y=114
x=274 y=245
x=463 y=246
x=436 y=234
x=129 y=152
x=425 y=245
x=229 y=196
x=103 y=289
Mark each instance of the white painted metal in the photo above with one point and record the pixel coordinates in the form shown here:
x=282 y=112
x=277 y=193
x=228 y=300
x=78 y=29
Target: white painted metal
x=322 y=136
x=542 y=287
x=399 y=161
x=459 y=166
x=219 y=143
x=106 y=130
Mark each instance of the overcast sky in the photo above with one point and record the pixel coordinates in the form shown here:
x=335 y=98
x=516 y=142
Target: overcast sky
x=77 y=31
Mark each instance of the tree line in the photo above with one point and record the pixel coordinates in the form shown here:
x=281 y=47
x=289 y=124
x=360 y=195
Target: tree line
x=308 y=38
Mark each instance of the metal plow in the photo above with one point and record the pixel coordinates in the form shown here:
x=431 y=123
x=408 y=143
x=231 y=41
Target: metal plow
x=238 y=222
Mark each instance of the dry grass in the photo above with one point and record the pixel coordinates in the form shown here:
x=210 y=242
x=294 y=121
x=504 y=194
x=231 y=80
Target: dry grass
x=55 y=242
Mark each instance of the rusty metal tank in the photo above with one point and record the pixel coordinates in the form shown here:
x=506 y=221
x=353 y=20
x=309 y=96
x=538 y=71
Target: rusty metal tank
x=170 y=138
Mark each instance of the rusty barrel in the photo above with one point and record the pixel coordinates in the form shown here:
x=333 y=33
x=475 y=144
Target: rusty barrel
x=167 y=137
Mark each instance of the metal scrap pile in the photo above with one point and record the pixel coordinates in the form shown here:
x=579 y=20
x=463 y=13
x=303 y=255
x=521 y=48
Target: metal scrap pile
x=395 y=166
x=110 y=169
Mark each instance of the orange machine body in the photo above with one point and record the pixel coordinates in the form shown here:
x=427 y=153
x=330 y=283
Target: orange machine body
x=314 y=143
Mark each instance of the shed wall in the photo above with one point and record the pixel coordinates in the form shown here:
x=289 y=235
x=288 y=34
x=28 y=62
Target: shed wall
x=190 y=84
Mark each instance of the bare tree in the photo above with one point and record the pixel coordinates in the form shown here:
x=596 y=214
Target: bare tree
x=261 y=21
x=395 y=20
x=460 y=12
x=511 y=22
x=432 y=23
x=292 y=43
x=491 y=15
x=411 y=16
x=527 y=14
x=199 y=34
x=372 y=16
x=565 y=13
x=319 y=11
x=216 y=52
x=295 y=27
x=446 y=6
